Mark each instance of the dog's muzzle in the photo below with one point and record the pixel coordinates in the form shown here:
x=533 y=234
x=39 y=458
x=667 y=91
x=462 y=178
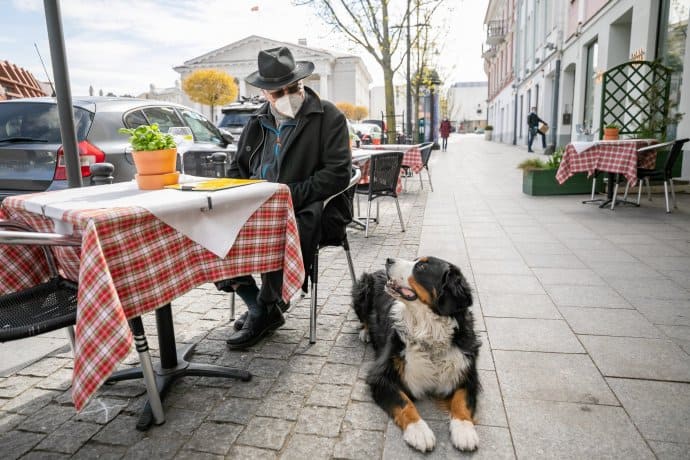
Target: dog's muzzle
x=405 y=293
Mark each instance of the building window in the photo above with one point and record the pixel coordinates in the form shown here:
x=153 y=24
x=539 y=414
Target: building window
x=590 y=79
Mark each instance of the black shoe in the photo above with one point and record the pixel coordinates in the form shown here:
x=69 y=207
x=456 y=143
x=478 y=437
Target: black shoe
x=530 y=151
x=239 y=321
x=258 y=323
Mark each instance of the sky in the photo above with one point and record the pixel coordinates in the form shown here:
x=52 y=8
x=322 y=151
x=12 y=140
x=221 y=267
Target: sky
x=123 y=46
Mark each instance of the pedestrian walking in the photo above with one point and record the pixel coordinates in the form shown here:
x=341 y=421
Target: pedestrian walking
x=533 y=121
x=444 y=129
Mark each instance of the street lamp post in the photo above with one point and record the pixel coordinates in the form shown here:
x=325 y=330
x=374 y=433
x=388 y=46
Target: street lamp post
x=409 y=88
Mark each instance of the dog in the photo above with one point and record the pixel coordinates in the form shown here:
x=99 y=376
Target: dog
x=416 y=315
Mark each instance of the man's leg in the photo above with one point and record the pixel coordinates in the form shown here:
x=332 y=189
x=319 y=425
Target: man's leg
x=530 y=139
x=543 y=140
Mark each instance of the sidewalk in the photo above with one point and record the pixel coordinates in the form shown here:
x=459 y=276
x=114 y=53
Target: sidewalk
x=584 y=315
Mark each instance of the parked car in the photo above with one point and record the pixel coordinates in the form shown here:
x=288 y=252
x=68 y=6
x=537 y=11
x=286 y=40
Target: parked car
x=355 y=141
x=31 y=156
x=369 y=133
x=236 y=115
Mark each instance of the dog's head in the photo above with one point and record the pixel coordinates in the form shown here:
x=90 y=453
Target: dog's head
x=436 y=283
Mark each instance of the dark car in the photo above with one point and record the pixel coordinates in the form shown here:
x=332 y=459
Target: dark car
x=236 y=115
x=31 y=156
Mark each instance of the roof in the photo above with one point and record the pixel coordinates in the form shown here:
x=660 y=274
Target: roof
x=18 y=82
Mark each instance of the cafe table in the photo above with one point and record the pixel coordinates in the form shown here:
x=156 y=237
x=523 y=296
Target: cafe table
x=142 y=249
x=614 y=157
x=412 y=155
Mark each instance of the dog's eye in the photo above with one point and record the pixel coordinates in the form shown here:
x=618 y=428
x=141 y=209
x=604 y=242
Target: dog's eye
x=421 y=266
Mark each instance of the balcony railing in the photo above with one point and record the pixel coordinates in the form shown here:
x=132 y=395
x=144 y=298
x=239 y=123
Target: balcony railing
x=489 y=52
x=495 y=32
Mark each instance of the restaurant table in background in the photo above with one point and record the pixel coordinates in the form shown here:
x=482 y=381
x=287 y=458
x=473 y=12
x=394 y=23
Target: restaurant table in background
x=612 y=157
x=132 y=262
x=412 y=155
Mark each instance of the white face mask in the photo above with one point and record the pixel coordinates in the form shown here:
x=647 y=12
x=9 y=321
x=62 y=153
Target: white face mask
x=289 y=104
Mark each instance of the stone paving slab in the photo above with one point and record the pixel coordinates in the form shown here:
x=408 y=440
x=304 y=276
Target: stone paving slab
x=565 y=306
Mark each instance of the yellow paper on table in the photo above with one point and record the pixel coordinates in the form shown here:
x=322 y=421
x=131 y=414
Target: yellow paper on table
x=214 y=184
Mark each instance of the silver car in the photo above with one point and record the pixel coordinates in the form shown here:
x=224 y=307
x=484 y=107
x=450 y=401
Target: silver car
x=31 y=158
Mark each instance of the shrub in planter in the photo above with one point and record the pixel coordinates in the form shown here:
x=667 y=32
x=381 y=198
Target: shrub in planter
x=611 y=132
x=539 y=178
x=488 y=131
x=155 y=156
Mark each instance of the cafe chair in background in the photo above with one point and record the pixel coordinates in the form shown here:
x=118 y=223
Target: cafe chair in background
x=334 y=240
x=384 y=170
x=664 y=173
x=425 y=150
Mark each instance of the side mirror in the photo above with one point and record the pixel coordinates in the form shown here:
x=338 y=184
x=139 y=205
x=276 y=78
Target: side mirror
x=227 y=137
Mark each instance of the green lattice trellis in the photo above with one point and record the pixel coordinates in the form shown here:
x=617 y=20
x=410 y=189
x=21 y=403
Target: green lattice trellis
x=635 y=96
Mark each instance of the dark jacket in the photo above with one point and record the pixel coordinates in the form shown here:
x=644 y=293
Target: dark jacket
x=316 y=161
x=533 y=120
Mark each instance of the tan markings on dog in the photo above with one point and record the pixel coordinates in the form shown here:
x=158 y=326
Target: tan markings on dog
x=423 y=259
x=422 y=293
x=458 y=406
x=399 y=365
x=407 y=414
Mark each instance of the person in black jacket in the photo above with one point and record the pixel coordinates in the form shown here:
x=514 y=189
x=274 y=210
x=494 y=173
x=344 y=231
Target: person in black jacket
x=533 y=121
x=297 y=139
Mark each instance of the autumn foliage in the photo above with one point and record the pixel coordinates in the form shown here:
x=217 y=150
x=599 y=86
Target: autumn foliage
x=351 y=111
x=210 y=87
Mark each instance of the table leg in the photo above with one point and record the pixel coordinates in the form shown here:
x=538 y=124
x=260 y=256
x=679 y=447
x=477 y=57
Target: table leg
x=173 y=364
x=612 y=179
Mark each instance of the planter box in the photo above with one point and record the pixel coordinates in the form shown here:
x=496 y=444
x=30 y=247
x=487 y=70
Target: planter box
x=487 y=135
x=543 y=182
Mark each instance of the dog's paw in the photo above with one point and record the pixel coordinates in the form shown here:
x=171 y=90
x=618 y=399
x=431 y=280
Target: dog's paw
x=420 y=436
x=364 y=335
x=463 y=434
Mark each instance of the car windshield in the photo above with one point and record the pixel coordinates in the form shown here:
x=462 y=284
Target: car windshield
x=38 y=122
x=235 y=119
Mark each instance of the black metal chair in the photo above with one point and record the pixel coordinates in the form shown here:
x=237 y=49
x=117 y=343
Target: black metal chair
x=336 y=240
x=42 y=308
x=425 y=150
x=384 y=171
x=664 y=173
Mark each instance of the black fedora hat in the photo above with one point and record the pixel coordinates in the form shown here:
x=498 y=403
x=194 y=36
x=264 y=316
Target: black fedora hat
x=277 y=68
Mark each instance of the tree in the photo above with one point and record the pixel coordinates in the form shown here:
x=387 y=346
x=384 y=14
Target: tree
x=361 y=112
x=378 y=26
x=210 y=87
x=347 y=108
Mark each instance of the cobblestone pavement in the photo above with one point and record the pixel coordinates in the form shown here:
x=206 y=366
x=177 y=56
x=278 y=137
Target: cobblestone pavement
x=584 y=315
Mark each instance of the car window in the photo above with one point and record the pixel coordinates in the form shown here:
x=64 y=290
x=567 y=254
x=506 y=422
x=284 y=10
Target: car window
x=39 y=121
x=235 y=119
x=203 y=130
x=135 y=118
x=166 y=117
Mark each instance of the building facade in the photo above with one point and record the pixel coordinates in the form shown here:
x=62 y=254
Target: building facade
x=337 y=77
x=466 y=105
x=561 y=48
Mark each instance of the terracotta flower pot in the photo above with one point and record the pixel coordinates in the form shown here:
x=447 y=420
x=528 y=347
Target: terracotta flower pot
x=155 y=161
x=156 y=181
x=610 y=134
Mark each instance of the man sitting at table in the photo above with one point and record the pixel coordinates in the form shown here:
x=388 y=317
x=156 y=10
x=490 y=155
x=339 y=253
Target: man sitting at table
x=299 y=140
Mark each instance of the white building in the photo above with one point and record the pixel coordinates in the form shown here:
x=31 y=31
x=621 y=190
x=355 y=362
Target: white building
x=173 y=94
x=337 y=77
x=377 y=104
x=467 y=105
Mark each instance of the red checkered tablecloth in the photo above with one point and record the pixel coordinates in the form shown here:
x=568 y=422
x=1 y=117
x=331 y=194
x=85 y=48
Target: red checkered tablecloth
x=131 y=263
x=610 y=156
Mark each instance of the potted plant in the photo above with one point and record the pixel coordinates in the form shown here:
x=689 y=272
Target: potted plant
x=155 y=156
x=611 y=132
x=539 y=177
x=488 y=132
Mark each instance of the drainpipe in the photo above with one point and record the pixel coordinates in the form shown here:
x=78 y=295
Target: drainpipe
x=554 y=111
x=515 y=115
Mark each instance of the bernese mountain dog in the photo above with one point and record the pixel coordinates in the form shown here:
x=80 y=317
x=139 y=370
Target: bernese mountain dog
x=416 y=315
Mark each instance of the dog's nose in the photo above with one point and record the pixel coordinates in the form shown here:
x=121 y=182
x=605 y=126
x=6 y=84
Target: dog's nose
x=390 y=261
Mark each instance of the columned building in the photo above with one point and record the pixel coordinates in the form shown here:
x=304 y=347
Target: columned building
x=467 y=105
x=337 y=77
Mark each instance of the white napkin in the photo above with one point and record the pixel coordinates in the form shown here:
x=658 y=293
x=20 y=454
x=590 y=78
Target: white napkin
x=582 y=146
x=187 y=212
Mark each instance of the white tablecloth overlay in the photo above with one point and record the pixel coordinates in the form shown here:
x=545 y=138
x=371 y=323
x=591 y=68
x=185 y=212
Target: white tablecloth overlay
x=186 y=211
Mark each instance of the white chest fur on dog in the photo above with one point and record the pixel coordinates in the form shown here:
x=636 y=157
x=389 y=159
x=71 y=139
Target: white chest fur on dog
x=432 y=363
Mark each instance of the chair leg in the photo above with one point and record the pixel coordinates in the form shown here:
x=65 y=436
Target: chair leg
x=428 y=176
x=70 y=334
x=625 y=193
x=615 y=194
x=640 y=182
x=346 y=246
x=366 y=224
x=358 y=213
x=232 y=306
x=594 y=187
x=377 y=212
x=397 y=204
x=421 y=182
x=666 y=196
x=673 y=193
x=649 y=189
x=314 y=290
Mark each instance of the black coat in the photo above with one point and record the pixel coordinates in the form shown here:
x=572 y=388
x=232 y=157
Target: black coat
x=316 y=161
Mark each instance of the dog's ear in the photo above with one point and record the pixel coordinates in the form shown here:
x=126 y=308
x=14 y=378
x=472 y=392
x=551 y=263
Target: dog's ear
x=454 y=294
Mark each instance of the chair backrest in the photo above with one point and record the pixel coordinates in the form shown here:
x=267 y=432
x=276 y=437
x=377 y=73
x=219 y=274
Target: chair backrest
x=338 y=214
x=425 y=150
x=384 y=170
x=674 y=154
x=356 y=176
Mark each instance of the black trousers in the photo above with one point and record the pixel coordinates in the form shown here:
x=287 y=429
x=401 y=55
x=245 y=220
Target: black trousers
x=531 y=134
x=309 y=228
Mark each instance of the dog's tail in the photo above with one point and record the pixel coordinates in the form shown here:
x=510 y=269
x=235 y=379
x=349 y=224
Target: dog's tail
x=364 y=292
